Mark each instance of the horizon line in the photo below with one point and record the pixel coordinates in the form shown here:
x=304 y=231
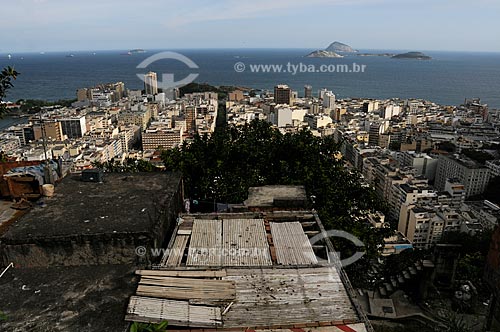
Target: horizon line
x=235 y=48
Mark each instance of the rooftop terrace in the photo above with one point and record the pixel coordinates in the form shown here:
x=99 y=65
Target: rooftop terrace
x=240 y=270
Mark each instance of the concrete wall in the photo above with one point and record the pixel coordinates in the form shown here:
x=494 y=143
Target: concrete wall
x=97 y=249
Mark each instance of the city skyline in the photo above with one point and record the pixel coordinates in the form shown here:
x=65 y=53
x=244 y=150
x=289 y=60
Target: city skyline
x=54 y=25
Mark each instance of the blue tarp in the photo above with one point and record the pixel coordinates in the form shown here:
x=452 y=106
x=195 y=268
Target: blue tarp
x=37 y=171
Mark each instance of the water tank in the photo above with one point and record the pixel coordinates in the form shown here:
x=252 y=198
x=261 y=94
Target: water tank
x=92 y=175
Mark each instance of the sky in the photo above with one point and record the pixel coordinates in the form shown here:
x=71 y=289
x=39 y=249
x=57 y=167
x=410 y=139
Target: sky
x=69 y=25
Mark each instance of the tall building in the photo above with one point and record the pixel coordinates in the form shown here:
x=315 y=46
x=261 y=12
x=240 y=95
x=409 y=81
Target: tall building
x=190 y=115
x=236 y=95
x=328 y=102
x=374 y=134
x=128 y=135
x=165 y=138
x=151 y=83
x=321 y=93
x=50 y=128
x=282 y=94
x=370 y=106
x=308 y=91
x=390 y=111
x=456 y=190
x=74 y=127
x=422 y=226
x=139 y=118
x=314 y=108
x=473 y=176
x=421 y=162
x=83 y=94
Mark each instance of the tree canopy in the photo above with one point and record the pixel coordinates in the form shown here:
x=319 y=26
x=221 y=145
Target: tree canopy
x=478 y=155
x=6 y=76
x=129 y=165
x=223 y=166
x=35 y=105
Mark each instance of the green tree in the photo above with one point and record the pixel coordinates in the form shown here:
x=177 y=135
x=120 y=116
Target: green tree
x=447 y=146
x=223 y=166
x=492 y=192
x=129 y=165
x=148 y=327
x=6 y=76
x=478 y=155
x=35 y=105
x=473 y=252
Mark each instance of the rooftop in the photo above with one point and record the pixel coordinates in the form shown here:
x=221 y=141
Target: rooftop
x=122 y=203
x=66 y=298
x=465 y=161
x=240 y=270
x=278 y=195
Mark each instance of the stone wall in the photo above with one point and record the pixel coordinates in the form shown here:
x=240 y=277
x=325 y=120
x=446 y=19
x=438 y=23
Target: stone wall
x=97 y=249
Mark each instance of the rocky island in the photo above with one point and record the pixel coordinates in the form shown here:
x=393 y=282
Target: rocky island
x=332 y=51
x=412 y=55
x=324 y=54
x=340 y=48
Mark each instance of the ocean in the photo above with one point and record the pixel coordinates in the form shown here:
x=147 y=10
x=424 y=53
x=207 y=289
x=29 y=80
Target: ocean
x=448 y=78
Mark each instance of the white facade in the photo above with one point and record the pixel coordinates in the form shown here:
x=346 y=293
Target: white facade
x=284 y=116
x=390 y=111
x=328 y=101
x=151 y=83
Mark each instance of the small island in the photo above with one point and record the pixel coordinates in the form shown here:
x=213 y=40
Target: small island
x=412 y=55
x=323 y=54
x=332 y=51
x=377 y=54
x=136 y=50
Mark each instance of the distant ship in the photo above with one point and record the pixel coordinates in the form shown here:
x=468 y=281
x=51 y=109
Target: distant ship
x=137 y=50
x=70 y=55
x=9 y=56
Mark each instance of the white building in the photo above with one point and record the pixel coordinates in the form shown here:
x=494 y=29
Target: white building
x=473 y=176
x=74 y=127
x=494 y=167
x=151 y=83
x=328 y=102
x=421 y=162
x=390 y=111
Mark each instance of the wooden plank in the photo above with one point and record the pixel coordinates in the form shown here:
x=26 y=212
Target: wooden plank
x=185 y=288
x=292 y=244
x=176 y=253
x=174 y=281
x=180 y=313
x=184 y=294
x=284 y=296
x=245 y=243
x=183 y=273
x=205 y=245
x=229 y=242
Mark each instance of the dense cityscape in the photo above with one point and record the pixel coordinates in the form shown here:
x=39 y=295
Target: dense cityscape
x=434 y=167
x=249 y=166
